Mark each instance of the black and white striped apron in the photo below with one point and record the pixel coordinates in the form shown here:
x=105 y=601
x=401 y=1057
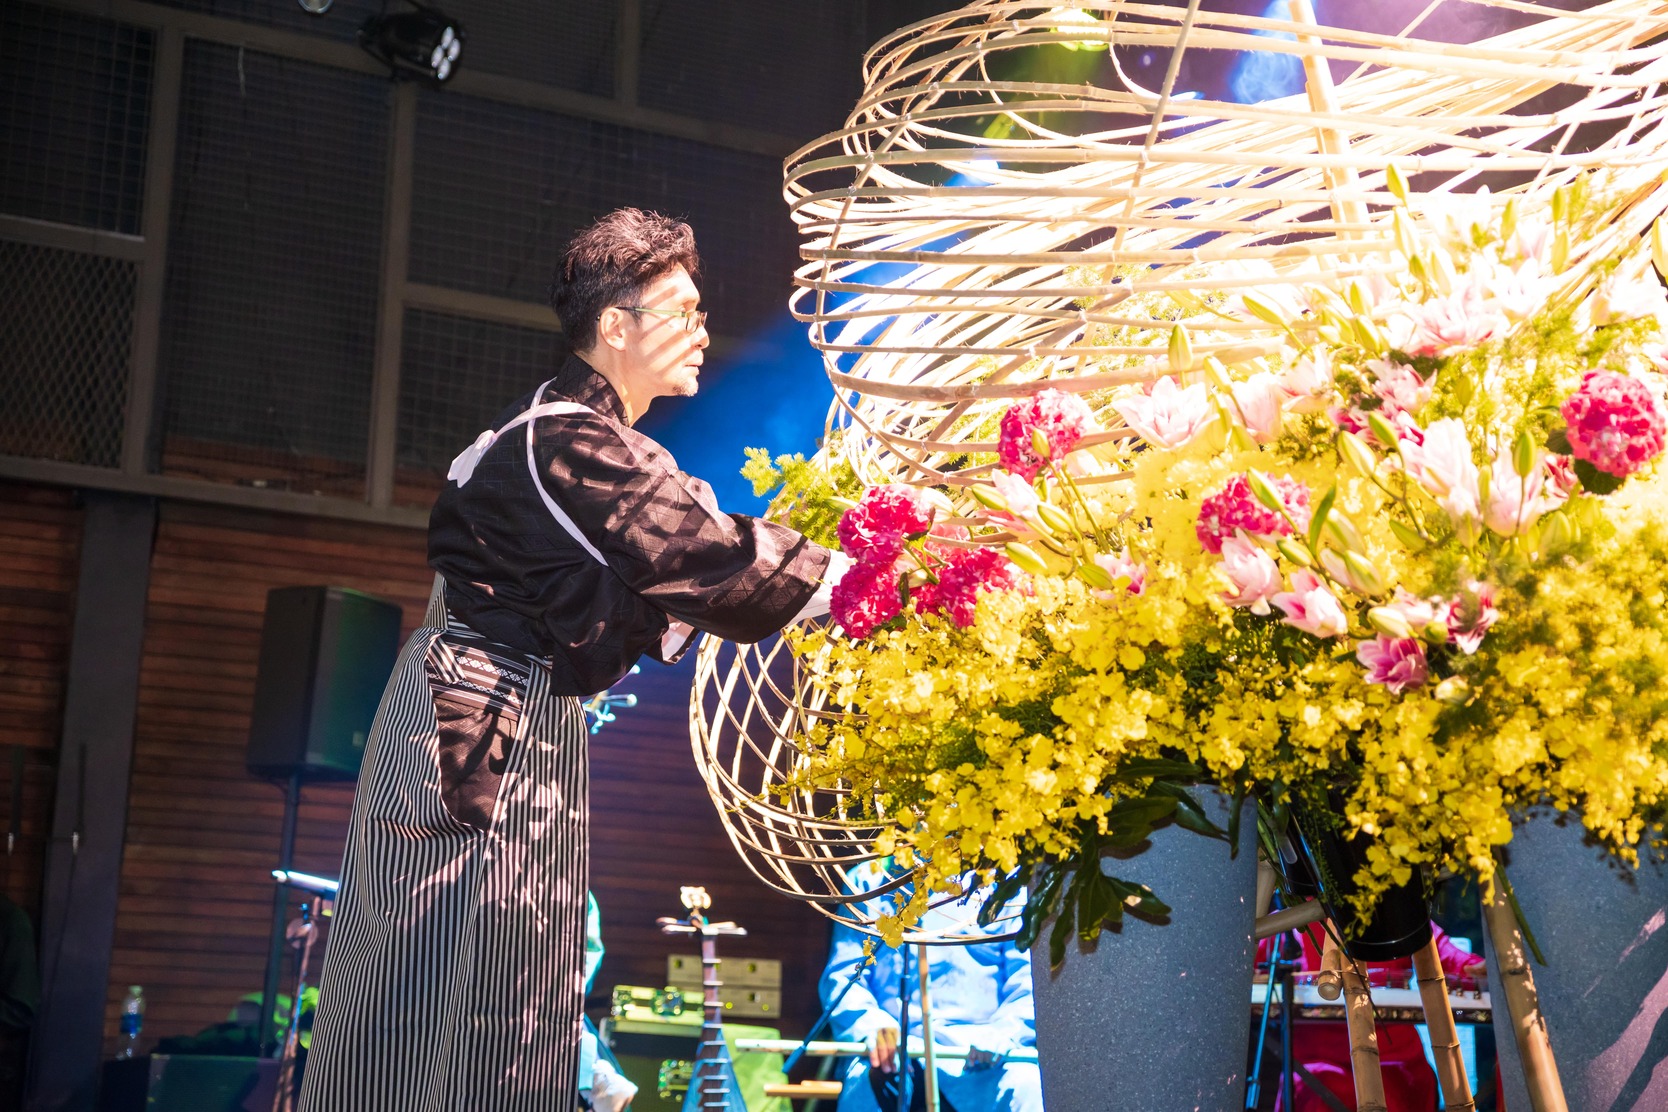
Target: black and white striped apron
x=454 y=979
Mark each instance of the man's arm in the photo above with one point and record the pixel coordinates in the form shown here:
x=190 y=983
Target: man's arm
x=663 y=533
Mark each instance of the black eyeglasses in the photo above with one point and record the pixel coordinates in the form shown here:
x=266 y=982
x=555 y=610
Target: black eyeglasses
x=693 y=319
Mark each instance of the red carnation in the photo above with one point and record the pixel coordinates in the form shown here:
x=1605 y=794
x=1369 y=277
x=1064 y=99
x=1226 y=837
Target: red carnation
x=866 y=597
x=1063 y=419
x=1235 y=507
x=882 y=519
x=969 y=571
x=1614 y=423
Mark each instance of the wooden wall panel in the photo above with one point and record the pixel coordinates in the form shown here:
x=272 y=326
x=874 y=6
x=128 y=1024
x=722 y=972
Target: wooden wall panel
x=196 y=894
x=40 y=543
x=202 y=833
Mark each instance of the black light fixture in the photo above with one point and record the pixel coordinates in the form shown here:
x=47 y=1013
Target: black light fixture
x=423 y=43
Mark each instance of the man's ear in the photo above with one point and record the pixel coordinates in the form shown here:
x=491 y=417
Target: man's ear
x=611 y=327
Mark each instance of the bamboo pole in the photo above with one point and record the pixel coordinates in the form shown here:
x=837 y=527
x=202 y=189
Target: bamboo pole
x=929 y=1064
x=1363 y=1032
x=1523 y=1006
x=1439 y=1017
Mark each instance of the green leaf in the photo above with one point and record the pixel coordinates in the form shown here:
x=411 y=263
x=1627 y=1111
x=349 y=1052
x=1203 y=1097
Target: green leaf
x=1097 y=904
x=1594 y=481
x=1006 y=889
x=1189 y=815
x=1234 y=809
x=1317 y=522
x=1160 y=768
x=1558 y=442
x=1041 y=903
x=1145 y=902
x=1061 y=933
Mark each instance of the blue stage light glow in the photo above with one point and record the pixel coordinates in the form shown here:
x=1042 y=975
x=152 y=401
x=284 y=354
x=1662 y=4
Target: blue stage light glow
x=1264 y=75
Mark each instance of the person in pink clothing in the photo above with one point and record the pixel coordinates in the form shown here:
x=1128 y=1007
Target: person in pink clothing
x=1321 y=1046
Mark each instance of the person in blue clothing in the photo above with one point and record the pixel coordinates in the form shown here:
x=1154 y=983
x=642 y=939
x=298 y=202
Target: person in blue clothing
x=980 y=996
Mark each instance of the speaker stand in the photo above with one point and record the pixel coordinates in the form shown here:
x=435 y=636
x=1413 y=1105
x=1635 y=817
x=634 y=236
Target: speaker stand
x=280 y=920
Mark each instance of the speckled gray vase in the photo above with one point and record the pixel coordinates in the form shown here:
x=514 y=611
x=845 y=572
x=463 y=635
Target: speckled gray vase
x=1155 y=1017
x=1603 y=928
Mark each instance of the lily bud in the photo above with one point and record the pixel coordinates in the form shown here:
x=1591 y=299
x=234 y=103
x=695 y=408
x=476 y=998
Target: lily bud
x=1659 y=245
x=1217 y=374
x=1343 y=531
x=1026 y=559
x=1523 y=454
x=1355 y=452
x=1454 y=690
x=1407 y=237
x=1508 y=219
x=1382 y=429
x=1390 y=622
x=1296 y=552
x=989 y=499
x=1264 y=490
x=1443 y=275
x=1409 y=536
x=1263 y=310
x=841 y=504
x=1181 y=349
x=1055 y=518
x=1094 y=575
x=1556 y=533
x=1395 y=182
x=1560 y=249
x=1039 y=443
x=1364 y=573
x=1436 y=633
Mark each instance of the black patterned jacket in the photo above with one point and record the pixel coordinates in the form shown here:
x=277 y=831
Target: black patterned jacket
x=514 y=574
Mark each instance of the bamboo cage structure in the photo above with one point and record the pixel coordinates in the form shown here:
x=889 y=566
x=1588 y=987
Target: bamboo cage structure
x=971 y=237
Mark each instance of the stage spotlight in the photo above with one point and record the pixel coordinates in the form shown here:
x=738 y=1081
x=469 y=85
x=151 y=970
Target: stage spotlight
x=423 y=43
x=315 y=7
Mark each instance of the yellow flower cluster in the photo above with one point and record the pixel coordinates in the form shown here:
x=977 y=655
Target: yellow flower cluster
x=1011 y=742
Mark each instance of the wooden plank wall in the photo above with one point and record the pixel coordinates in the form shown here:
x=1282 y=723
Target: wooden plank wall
x=40 y=545
x=195 y=900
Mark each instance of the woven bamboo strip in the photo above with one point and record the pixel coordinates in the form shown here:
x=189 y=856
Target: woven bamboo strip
x=971 y=237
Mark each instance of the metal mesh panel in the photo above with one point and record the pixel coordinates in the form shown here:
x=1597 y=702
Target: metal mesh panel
x=456 y=375
x=567 y=44
x=64 y=324
x=74 y=103
x=498 y=189
x=341 y=22
x=274 y=263
x=791 y=69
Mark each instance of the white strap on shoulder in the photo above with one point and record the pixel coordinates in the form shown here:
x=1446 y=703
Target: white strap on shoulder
x=463 y=467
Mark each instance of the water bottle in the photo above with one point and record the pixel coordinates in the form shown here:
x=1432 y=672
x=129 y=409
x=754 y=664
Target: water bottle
x=133 y=1020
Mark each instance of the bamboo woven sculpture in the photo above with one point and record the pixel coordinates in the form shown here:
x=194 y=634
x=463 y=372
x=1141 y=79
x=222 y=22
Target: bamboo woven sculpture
x=971 y=238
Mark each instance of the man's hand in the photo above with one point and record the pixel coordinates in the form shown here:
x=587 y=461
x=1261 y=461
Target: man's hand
x=980 y=1059
x=883 y=1050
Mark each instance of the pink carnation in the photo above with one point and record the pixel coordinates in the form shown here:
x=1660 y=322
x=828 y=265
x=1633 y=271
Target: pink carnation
x=1235 y=507
x=1397 y=663
x=1614 y=423
x=1119 y=565
x=1062 y=418
x=1309 y=606
x=881 y=520
x=969 y=571
x=1471 y=616
x=866 y=597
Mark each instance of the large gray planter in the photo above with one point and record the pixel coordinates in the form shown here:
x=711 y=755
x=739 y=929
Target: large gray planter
x=1155 y=1017
x=1604 y=990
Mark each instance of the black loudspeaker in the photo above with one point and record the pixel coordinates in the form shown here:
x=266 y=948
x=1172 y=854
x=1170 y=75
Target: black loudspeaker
x=326 y=653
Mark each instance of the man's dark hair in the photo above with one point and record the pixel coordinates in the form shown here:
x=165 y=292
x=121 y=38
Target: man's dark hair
x=610 y=262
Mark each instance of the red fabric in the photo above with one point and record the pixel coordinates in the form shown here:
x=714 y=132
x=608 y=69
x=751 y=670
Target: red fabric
x=1323 y=1045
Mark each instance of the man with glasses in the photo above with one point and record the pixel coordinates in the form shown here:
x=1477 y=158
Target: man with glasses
x=567 y=546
